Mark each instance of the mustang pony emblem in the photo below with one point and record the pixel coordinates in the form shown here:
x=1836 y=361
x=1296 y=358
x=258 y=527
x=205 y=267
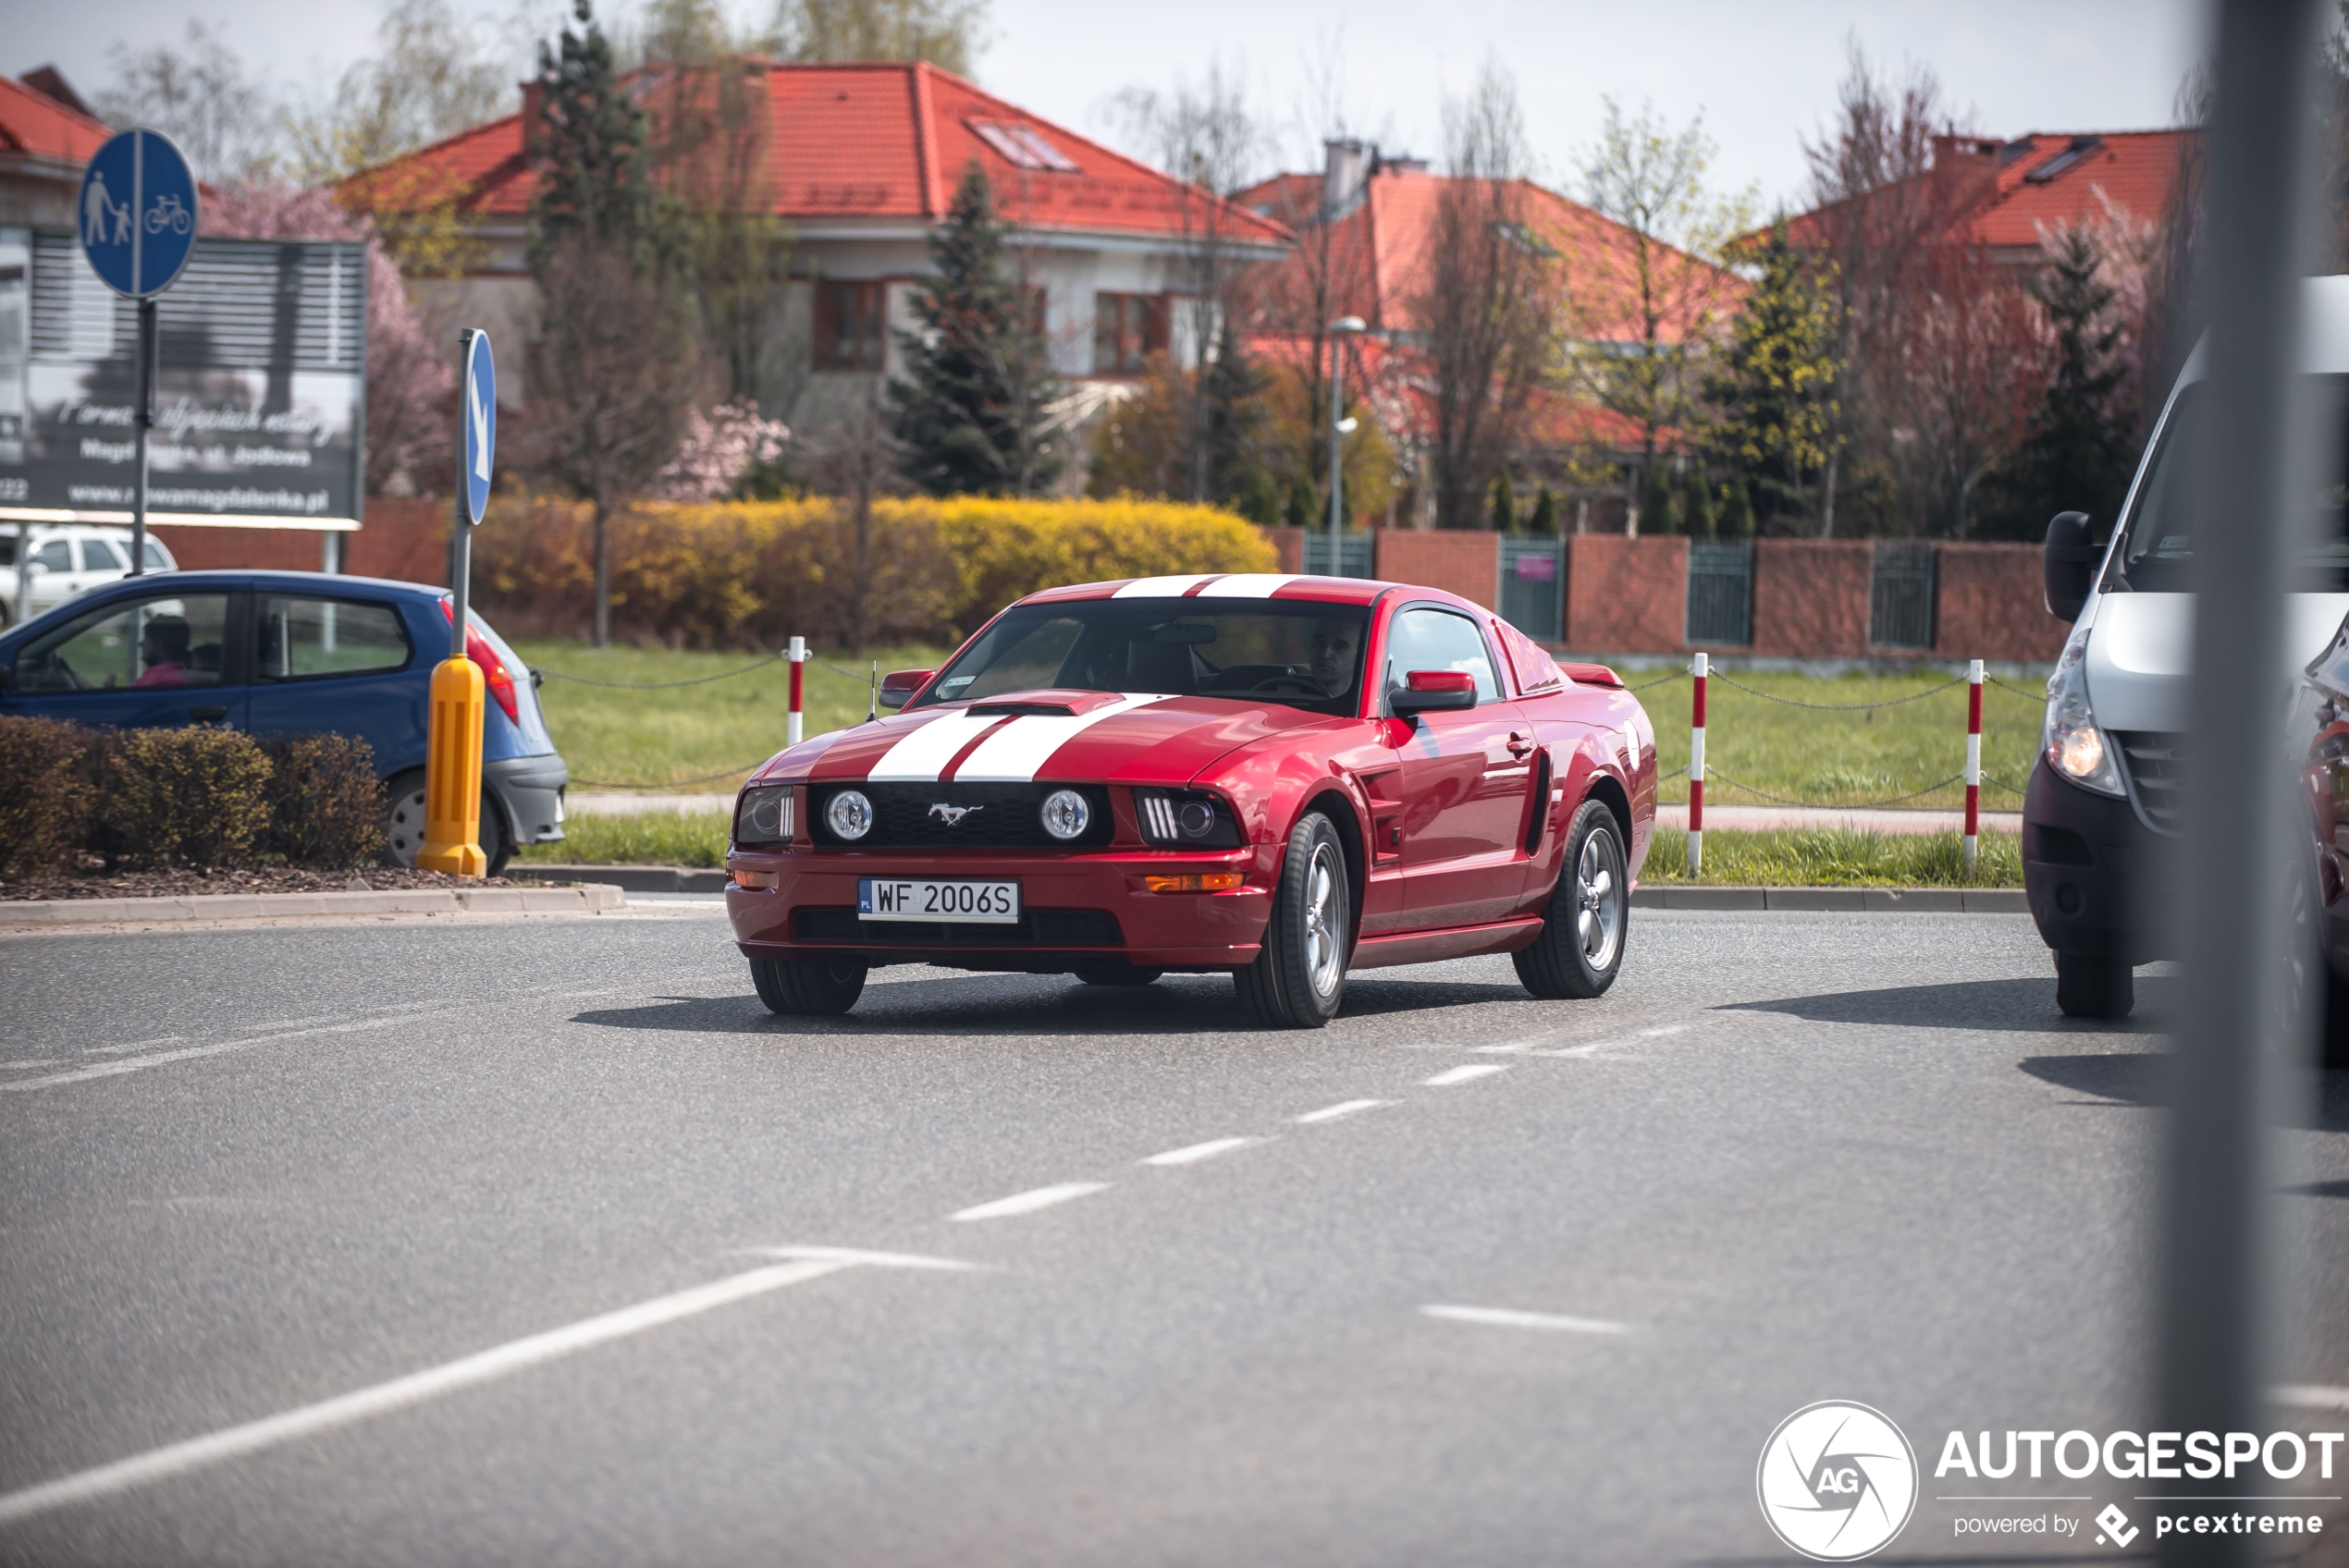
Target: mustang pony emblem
x=951 y=814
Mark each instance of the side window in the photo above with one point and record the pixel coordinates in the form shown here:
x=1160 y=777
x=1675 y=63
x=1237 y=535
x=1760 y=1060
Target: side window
x=54 y=556
x=306 y=638
x=1433 y=638
x=130 y=643
x=98 y=554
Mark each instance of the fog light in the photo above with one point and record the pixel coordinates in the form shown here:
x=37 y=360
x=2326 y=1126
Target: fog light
x=1194 y=882
x=1066 y=815
x=850 y=815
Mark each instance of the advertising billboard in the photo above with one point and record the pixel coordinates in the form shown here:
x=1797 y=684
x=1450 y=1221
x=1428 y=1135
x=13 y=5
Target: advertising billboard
x=260 y=399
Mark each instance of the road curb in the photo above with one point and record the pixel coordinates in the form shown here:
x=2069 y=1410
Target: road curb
x=628 y=879
x=1848 y=900
x=47 y=914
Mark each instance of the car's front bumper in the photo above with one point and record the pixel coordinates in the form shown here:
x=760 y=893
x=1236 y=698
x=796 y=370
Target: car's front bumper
x=2089 y=866
x=1079 y=911
x=531 y=790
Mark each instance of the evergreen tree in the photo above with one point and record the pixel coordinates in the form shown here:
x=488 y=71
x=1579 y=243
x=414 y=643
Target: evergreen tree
x=1546 y=514
x=1775 y=387
x=2078 y=455
x=1503 y=505
x=1696 y=505
x=594 y=182
x=1655 y=506
x=1260 y=498
x=1739 y=524
x=1303 y=508
x=970 y=412
x=1234 y=387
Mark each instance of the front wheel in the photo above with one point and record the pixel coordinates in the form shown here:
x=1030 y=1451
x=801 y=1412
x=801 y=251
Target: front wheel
x=804 y=987
x=1581 y=948
x=1298 y=977
x=2093 y=985
x=404 y=817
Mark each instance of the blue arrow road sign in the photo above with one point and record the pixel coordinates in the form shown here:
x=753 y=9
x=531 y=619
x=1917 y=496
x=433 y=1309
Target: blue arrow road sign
x=481 y=424
x=137 y=213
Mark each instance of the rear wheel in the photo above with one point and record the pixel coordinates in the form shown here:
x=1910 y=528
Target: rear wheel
x=802 y=987
x=1581 y=948
x=1298 y=977
x=404 y=822
x=2093 y=985
x=1126 y=976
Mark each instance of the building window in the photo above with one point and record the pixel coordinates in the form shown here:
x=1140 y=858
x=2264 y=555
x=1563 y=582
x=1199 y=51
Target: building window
x=848 y=326
x=1127 y=329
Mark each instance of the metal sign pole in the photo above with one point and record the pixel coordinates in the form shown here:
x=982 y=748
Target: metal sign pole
x=143 y=417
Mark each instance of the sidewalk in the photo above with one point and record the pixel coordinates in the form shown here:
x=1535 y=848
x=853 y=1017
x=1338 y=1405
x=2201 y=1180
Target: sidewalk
x=1856 y=819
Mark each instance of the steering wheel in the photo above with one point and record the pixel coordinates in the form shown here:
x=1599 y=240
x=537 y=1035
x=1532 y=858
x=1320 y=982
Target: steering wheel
x=1304 y=686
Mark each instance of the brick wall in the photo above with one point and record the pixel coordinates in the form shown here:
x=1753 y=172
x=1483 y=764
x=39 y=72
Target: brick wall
x=1992 y=605
x=1626 y=596
x=1458 y=561
x=405 y=538
x=1811 y=598
x=1289 y=544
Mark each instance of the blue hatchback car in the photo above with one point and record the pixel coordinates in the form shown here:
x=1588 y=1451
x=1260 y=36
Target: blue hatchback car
x=292 y=652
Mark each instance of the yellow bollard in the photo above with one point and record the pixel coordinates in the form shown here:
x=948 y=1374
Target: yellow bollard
x=452 y=773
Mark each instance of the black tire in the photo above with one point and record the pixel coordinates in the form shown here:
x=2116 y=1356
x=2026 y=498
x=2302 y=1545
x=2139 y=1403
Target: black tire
x=1588 y=923
x=2333 y=1034
x=404 y=822
x=1299 y=978
x=2093 y=985
x=1126 y=976
x=803 y=987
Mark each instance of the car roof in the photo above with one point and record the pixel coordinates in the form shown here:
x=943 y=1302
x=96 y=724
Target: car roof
x=1219 y=587
x=245 y=577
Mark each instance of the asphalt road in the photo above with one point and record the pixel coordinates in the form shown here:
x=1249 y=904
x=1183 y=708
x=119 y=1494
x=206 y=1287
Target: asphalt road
x=572 y=1173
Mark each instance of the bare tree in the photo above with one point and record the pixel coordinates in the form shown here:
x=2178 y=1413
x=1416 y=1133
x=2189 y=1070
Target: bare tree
x=615 y=370
x=432 y=75
x=201 y=96
x=857 y=460
x=1486 y=309
x=948 y=33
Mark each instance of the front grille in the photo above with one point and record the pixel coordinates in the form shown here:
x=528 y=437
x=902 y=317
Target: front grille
x=1001 y=816
x=1037 y=927
x=2154 y=760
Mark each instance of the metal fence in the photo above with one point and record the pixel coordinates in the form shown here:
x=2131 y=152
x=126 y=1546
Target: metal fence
x=1900 y=594
x=1721 y=594
x=1353 y=555
x=1534 y=587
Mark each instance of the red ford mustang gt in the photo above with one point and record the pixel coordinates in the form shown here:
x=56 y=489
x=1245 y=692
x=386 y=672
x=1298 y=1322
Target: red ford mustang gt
x=1281 y=777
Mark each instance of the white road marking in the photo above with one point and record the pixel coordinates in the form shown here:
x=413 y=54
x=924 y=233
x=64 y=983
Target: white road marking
x=1158 y=587
x=29 y=1066
x=1577 y=1052
x=1030 y=1202
x=1342 y=1108
x=1518 y=1049
x=2315 y=1396
x=863 y=1255
x=1467 y=1074
x=500 y=1361
x=1194 y=1153
x=922 y=756
x=1508 y=1317
x=1667 y=1029
x=1016 y=752
x=132 y=1046
x=1247 y=586
x=190 y=1053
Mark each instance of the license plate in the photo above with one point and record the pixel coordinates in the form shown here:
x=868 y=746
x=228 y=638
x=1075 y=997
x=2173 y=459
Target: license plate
x=915 y=898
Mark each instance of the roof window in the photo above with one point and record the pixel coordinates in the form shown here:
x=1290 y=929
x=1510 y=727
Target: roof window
x=1023 y=147
x=2080 y=148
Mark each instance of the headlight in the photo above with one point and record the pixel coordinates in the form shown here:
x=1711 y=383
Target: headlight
x=849 y=815
x=764 y=815
x=1188 y=819
x=1066 y=815
x=2072 y=744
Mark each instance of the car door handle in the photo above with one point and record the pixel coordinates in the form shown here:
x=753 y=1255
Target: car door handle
x=1519 y=746
x=208 y=712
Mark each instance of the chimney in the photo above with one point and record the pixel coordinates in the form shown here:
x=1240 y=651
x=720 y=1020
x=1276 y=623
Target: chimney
x=534 y=109
x=1965 y=170
x=1345 y=164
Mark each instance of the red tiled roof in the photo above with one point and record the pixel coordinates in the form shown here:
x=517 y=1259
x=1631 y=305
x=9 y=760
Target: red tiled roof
x=878 y=139
x=35 y=125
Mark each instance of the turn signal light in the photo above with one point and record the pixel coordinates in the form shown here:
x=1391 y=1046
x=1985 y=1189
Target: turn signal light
x=1194 y=882
x=755 y=879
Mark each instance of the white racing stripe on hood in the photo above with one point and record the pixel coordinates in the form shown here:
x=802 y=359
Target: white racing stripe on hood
x=1019 y=751
x=923 y=756
x=1158 y=587
x=1247 y=585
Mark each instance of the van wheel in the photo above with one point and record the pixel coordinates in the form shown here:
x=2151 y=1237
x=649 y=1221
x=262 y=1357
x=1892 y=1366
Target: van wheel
x=1580 y=950
x=404 y=822
x=804 y=987
x=2093 y=985
x=1298 y=977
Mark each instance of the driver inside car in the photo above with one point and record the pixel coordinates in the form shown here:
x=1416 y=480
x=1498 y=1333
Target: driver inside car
x=163 y=649
x=1334 y=646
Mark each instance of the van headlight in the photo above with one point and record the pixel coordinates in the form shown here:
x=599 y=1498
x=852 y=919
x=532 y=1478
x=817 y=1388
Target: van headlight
x=2074 y=747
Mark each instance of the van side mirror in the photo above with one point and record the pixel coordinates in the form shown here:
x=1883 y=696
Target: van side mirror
x=897 y=688
x=2071 y=564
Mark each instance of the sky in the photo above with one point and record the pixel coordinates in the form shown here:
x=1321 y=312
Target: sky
x=1762 y=75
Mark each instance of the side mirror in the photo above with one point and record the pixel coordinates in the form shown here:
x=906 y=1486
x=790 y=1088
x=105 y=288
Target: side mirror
x=1433 y=690
x=2071 y=564
x=897 y=688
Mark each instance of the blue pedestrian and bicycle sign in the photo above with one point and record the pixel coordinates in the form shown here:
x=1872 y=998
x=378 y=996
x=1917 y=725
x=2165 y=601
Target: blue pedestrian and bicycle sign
x=137 y=213
x=481 y=424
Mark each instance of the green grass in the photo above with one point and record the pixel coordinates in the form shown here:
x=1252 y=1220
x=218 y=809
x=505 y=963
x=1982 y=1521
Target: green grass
x=683 y=735
x=1847 y=758
x=1833 y=858
x=653 y=838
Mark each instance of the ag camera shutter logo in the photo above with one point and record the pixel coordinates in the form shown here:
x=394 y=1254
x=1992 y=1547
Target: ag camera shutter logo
x=1838 y=1481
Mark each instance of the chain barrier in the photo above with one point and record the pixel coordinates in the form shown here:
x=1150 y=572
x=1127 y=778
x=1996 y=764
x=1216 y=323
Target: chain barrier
x=671 y=784
x=1835 y=707
x=658 y=685
x=1711 y=772
x=2038 y=696
x=1659 y=681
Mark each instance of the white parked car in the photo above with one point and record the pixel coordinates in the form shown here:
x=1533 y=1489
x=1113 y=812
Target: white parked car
x=63 y=559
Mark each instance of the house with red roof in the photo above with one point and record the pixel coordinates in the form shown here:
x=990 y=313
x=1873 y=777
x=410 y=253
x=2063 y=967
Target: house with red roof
x=862 y=161
x=46 y=134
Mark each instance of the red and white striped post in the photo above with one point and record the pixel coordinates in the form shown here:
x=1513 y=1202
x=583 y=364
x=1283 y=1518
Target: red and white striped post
x=798 y=670
x=1973 y=760
x=1696 y=769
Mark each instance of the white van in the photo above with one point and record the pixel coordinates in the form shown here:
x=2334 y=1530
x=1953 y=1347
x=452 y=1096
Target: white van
x=2104 y=806
x=63 y=559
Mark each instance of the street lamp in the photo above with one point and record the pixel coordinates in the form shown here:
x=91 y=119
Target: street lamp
x=1339 y=330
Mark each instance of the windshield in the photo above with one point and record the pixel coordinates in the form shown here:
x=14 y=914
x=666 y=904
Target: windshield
x=1306 y=656
x=2156 y=555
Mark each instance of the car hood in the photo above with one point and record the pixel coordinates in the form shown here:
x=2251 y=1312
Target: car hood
x=1080 y=736
x=2140 y=650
